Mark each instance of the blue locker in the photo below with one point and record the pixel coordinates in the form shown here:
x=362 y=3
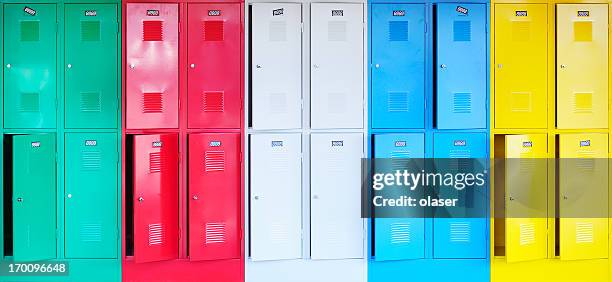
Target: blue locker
x=398 y=65
x=461 y=66
x=461 y=238
x=399 y=238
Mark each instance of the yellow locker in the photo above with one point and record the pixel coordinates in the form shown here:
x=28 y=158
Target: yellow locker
x=582 y=65
x=583 y=199
x=520 y=65
x=526 y=197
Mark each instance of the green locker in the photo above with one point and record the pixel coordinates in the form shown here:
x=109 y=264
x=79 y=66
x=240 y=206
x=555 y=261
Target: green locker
x=90 y=198
x=91 y=65
x=34 y=197
x=30 y=79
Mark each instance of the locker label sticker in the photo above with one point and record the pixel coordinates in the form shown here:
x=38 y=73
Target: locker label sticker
x=214 y=143
x=91 y=13
x=36 y=144
x=157 y=144
x=29 y=11
x=337 y=143
x=459 y=143
x=278 y=12
x=337 y=13
x=462 y=10
x=520 y=13
x=399 y=13
x=400 y=143
x=214 y=13
x=91 y=142
x=527 y=144
x=585 y=143
x=277 y=144
x=153 y=13
x=583 y=13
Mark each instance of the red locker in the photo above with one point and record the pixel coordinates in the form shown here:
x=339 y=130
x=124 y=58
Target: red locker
x=155 y=197
x=214 y=196
x=151 y=65
x=214 y=39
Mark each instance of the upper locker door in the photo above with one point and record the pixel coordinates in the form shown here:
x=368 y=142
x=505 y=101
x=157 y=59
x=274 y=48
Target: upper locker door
x=583 y=196
x=91 y=66
x=214 y=52
x=214 y=196
x=336 y=87
x=582 y=65
x=526 y=197
x=399 y=238
x=30 y=75
x=461 y=66
x=276 y=197
x=34 y=197
x=398 y=52
x=462 y=237
x=336 y=223
x=276 y=47
x=90 y=199
x=155 y=197
x=521 y=32
x=151 y=65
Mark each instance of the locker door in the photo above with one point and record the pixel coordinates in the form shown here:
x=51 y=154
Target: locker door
x=337 y=65
x=461 y=66
x=276 y=47
x=583 y=196
x=152 y=66
x=275 y=200
x=582 y=72
x=398 y=52
x=91 y=66
x=214 y=196
x=461 y=237
x=90 y=199
x=214 y=52
x=336 y=223
x=155 y=197
x=34 y=195
x=526 y=197
x=30 y=65
x=520 y=65
x=399 y=238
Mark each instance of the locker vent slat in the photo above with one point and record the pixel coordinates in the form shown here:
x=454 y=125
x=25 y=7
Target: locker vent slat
x=584 y=232
x=156 y=234
x=526 y=234
x=279 y=162
x=278 y=103
x=401 y=233
x=214 y=161
x=152 y=103
x=279 y=233
x=91 y=232
x=29 y=102
x=155 y=162
x=213 y=101
x=583 y=103
x=583 y=31
x=213 y=30
x=462 y=103
x=521 y=31
x=90 y=31
x=29 y=31
x=521 y=102
x=460 y=232
x=527 y=165
x=277 y=31
x=398 y=102
x=336 y=31
x=152 y=31
x=585 y=161
x=92 y=160
x=91 y=102
x=398 y=31
x=215 y=233
x=400 y=160
x=336 y=103
x=462 y=31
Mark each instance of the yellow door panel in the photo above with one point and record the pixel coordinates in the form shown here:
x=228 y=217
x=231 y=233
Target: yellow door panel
x=583 y=199
x=520 y=65
x=526 y=197
x=582 y=65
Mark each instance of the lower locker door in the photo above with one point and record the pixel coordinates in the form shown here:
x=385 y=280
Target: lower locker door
x=34 y=197
x=90 y=198
x=155 y=197
x=336 y=223
x=214 y=196
x=583 y=199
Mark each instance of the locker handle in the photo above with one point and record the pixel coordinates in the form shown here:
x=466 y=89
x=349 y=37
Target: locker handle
x=132 y=66
x=69 y=196
x=315 y=66
x=563 y=66
x=257 y=66
x=192 y=66
x=564 y=197
x=442 y=66
x=256 y=197
x=377 y=65
x=8 y=66
x=140 y=199
x=315 y=197
x=69 y=66
x=195 y=197
x=511 y=198
x=20 y=199
x=499 y=66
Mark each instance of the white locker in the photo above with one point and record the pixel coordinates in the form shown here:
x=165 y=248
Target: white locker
x=275 y=196
x=337 y=36
x=276 y=65
x=336 y=223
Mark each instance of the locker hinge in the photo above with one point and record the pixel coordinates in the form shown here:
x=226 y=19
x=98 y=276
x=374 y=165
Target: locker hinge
x=302 y=27
x=56 y=27
x=302 y=104
x=425 y=27
x=180 y=233
x=56 y=157
x=118 y=28
x=241 y=159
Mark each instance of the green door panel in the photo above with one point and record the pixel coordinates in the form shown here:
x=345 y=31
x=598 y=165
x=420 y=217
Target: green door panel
x=34 y=197
x=91 y=195
x=91 y=66
x=30 y=65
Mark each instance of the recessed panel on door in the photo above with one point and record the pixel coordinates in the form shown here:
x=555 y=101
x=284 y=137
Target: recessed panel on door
x=276 y=47
x=398 y=53
x=214 y=196
x=275 y=198
x=336 y=226
x=214 y=58
x=336 y=86
x=151 y=69
x=92 y=93
x=30 y=61
x=155 y=173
